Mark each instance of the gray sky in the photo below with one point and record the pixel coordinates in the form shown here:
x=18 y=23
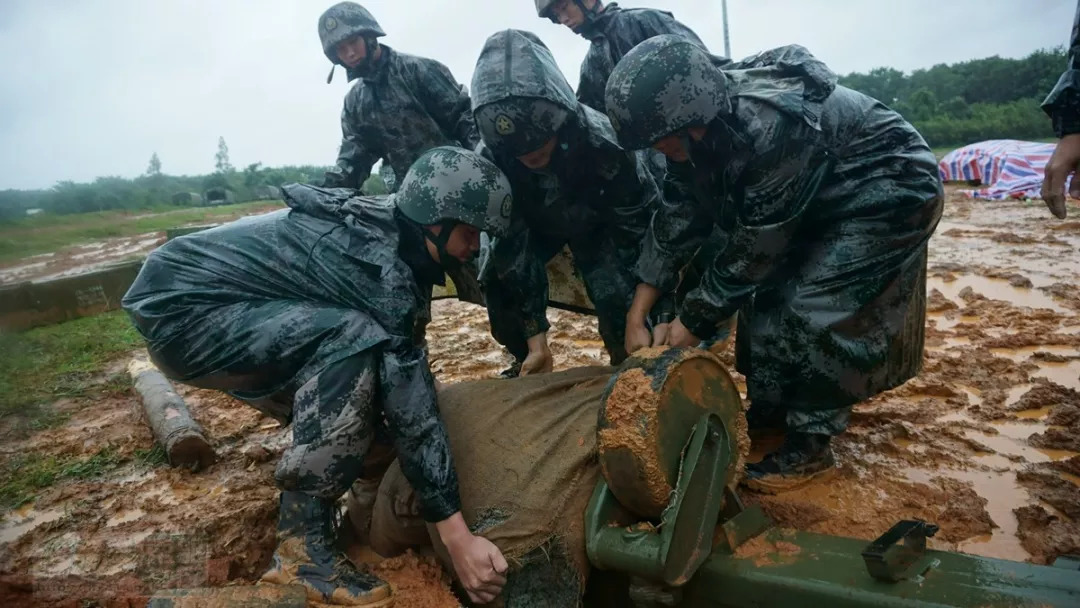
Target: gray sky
x=93 y=88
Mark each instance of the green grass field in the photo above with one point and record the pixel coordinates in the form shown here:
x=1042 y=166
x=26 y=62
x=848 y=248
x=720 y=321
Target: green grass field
x=66 y=360
x=46 y=233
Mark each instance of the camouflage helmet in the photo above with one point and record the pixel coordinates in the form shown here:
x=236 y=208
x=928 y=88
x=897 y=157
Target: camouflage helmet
x=663 y=86
x=543 y=9
x=457 y=185
x=519 y=125
x=343 y=21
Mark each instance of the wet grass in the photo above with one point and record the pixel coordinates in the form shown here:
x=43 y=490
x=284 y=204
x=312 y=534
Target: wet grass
x=69 y=360
x=47 y=233
x=23 y=476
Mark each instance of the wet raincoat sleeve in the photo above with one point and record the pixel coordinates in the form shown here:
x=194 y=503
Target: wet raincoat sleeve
x=679 y=227
x=784 y=176
x=355 y=157
x=1063 y=102
x=448 y=102
x=408 y=394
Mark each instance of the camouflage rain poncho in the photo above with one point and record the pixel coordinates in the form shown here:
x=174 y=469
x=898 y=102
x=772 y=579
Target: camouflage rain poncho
x=314 y=316
x=829 y=199
x=611 y=35
x=593 y=196
x=1063 y=103
x=405 y=106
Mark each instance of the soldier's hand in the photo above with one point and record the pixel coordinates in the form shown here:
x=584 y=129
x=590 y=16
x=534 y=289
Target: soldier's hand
x=660 y=334
x=539 y=359
x=678 y=335
x=479 y=564
x=637 y=336
x=1064 y=162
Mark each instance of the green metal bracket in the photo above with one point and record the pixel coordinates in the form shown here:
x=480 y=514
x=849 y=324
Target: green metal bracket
x=672 y=551
x=900 y=553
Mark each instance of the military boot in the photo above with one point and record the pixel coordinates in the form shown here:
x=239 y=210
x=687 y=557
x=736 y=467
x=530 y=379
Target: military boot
x=306 y=555
x=802 y=458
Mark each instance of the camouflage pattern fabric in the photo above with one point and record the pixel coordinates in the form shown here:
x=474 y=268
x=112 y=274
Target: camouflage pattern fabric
x=611 y=34
x=1063 y=102
x=593 y=196
x=343 y=21
x=315 y=315
x=454 y=184
x=405 y=106
x=828 y=199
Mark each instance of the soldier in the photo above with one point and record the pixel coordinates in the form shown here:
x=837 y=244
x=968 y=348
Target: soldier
x=400 y=106
x=575 y=186
x=309 y=315
x=829 y=199
x=611 y=31
x=1063 y=106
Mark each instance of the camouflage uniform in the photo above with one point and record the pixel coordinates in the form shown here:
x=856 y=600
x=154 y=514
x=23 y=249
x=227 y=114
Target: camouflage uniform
x=313 y=315
x=400 y=106
x=309 y=314
x=828 y=198
x=593 y=196
x=1063 y=102
x=611 y=33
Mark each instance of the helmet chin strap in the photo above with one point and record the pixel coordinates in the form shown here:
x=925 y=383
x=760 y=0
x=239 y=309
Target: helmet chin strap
x=439 y=240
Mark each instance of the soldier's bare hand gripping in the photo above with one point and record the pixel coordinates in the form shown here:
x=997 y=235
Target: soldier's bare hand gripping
x=479 y=564
x=539 y=360
x=1064 y=162
x=678 y=335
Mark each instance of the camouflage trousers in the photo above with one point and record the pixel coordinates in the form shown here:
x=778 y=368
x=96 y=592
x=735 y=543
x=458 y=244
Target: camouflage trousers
x=274 y=357
x=609 y=283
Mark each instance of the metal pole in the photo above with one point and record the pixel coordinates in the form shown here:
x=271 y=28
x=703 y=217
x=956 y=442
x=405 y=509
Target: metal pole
x=727 y=40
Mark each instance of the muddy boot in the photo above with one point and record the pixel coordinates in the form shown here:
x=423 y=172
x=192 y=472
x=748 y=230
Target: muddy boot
x=306 y=556
x=766 y=418
x=802 y=458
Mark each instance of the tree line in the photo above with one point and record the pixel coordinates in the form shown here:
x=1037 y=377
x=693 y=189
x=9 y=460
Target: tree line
x=951 y=105
x=970 y=101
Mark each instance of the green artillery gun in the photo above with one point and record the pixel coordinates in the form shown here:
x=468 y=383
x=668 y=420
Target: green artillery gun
x=681 y=438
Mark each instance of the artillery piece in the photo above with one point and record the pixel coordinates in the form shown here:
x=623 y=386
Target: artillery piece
x=672 y=439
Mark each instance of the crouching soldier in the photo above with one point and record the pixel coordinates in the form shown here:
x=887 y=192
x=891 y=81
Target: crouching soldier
x=829 y=199
x=574 y=185
x=400 y=106
x=309 y=314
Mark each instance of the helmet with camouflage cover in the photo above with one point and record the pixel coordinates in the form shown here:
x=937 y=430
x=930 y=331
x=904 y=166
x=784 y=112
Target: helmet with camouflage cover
x=343 y=21
x=661 y=87
x=544 y=9
x=451 y=185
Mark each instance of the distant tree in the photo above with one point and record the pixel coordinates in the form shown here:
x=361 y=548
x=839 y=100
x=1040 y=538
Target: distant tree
x=154 y=168
x=221 y=158
x=254 y=175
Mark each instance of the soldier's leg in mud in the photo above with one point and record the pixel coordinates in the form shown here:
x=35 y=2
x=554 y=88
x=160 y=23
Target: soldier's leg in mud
x=507 y=324
x=610 y=284
x=774 y=414
x=333 y=428
x=360 y=501
x=504 y=308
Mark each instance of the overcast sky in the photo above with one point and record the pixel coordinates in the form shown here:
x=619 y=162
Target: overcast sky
x=94 y=87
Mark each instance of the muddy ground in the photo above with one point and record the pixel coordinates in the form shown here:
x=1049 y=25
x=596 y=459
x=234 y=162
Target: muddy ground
x=983 y=443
